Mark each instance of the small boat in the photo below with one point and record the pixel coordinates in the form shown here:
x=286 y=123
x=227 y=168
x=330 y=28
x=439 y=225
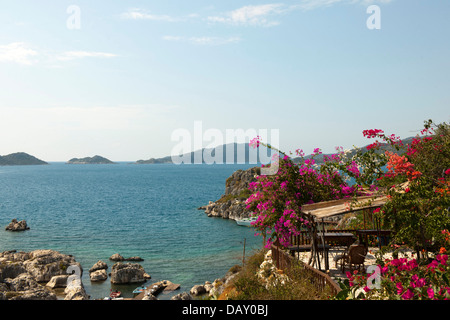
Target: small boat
x=115 y=294
x=139 y=290
x=246 y=221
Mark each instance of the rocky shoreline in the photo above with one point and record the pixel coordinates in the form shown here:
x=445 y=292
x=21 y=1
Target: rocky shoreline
x=49 y=274
x=231 y=204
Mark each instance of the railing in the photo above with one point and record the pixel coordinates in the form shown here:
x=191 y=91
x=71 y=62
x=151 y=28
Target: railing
x=320 y=280
x=304 y=238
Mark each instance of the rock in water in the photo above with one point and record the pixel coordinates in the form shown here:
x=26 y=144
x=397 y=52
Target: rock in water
x=98 y=275
x=122 y=273
x=136 y=258
x=17 y=225
x=116 y=257
x=99 y=265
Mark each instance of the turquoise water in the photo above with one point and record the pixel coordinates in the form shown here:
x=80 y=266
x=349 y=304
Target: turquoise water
x=94 y=211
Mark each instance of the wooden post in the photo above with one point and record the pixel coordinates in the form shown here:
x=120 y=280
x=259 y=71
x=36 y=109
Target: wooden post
x=324 y=252
x=243 y=255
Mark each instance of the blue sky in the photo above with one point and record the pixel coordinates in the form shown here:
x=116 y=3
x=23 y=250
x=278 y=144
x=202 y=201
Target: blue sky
x=126 y=76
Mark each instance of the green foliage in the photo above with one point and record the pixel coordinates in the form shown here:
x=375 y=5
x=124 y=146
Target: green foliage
x=298 y=286
x=418 y=210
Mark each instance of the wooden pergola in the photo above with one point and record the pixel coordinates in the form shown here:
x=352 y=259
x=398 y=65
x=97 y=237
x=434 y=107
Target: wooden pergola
x=317 y=212
x=326 y=209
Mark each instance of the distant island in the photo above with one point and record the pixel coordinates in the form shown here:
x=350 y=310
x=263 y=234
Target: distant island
x=239 y=153
x=243 y=153
x=90 y=160
x=20 y=159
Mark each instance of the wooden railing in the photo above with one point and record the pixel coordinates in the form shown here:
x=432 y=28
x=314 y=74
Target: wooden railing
x=304 y=237
x=321 y=281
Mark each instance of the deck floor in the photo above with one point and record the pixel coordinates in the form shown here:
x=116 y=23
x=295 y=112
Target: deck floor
x=335 y=271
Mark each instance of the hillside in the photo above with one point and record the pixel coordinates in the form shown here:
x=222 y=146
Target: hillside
x=243 y=153
x=231 y=153
x=20 y=159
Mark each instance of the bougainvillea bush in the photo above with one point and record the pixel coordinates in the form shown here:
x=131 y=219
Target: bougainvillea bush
x=277 y=199
x=402 y=279
x=414 y=177
x=418 y=206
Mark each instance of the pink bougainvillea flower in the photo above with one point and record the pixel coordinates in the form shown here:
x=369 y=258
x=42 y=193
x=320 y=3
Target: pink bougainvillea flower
x=372 y=133
x=255 y=142
x=408 y=295
x=399 y=288
x=430 y=293
x=374 y=145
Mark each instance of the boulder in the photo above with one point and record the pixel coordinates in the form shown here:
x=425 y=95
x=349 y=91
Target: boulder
x=13 y=256
x=122 y=273
x=21 y=274
x=219 y=285
x=136 y=259
x=58 y=281
x=182 y=296
x=22 y=282
x=116 y=257
x=208 y=286
x=98 y=275
x=15 y=225
x=149 y=297
x=75 y=290
x=197 y=290
x=99 y=265
x=44 y=264
x=39 y=293
x=11 y=270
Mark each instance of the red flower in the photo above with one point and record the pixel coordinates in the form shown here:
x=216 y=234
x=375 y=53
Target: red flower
x=374 y=145
x=372 y=133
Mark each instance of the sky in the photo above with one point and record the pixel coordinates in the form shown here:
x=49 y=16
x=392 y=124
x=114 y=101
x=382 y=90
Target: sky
x=119 y=78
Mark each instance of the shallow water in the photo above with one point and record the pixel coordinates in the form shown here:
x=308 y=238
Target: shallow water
x=94 y=211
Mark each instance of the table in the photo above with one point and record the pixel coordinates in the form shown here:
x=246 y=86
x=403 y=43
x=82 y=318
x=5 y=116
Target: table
x=342 y=238
x=374 y=232
x=383 y=234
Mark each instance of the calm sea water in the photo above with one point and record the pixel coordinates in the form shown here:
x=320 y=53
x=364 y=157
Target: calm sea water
x=94 y=211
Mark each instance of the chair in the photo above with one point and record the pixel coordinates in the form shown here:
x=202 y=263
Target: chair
x=355 y=256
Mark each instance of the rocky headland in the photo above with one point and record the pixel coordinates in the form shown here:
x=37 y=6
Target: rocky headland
x=232 y=203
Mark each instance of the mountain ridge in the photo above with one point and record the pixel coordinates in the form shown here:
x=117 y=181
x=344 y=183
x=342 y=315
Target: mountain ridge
x=251 y=153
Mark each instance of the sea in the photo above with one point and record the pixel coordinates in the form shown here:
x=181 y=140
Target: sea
x=145 y=210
